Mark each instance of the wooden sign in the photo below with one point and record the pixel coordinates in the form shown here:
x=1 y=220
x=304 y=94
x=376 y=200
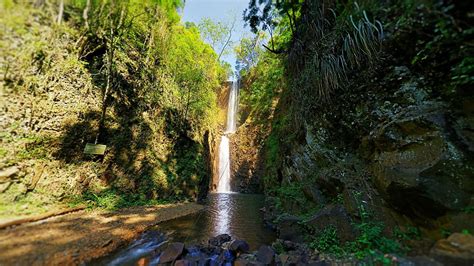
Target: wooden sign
x=97 y=149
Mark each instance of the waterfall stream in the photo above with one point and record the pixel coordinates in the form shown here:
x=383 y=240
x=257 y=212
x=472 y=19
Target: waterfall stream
x=230 y=213
x=224 y=148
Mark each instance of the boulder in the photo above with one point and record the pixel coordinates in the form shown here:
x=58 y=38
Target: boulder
x=239 y=246
x=289 y=229
x=457 y=249
x=417 y=166
x=219 y=240
x=266 y=255
x=172 y=252
x=337 y=216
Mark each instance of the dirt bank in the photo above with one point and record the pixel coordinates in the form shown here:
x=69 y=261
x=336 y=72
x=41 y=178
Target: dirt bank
x=82 y=236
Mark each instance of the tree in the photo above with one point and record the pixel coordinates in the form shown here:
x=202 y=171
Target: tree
x=265 y=15
x=248 y=52
x=217 y=34
x=60 y=12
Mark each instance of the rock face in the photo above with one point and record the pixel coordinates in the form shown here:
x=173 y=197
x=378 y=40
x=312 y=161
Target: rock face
x=289 y=228
x=247 y=167
x=396 y=145
x=417 y=167
x=457 y=249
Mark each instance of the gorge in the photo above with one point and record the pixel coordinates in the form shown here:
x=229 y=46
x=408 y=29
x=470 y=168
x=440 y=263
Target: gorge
x=345 y=138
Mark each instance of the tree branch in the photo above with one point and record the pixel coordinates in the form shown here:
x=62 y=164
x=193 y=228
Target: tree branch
x=280 y=51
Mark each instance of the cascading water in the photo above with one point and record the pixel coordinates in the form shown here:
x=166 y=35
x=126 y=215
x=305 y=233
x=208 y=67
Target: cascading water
x=224 y=148
x=224 y=165
x=232 y=108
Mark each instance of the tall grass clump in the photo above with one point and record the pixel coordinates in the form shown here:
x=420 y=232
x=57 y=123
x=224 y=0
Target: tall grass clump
x=331 y=43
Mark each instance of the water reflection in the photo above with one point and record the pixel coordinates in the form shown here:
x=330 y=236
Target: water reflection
x=227 y=213
x=222 y=224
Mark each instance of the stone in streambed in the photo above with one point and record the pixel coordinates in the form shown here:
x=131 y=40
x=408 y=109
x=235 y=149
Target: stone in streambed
x=183 y=263
x=243 y=262
x=239 y=246
x=266 y=255
x=172 y=252
x=219 y=240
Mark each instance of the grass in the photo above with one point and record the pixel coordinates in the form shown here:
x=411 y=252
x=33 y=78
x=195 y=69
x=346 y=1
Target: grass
x=112 y=199
x=16 y=204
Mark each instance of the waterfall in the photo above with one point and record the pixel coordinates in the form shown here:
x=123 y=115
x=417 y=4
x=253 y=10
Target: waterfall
x=224 y=165
x=224 y=147
x=232 y=107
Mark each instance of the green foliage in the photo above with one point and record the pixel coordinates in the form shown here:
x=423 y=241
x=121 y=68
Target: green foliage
x=217 y=34
x=370 y=242
x=248 y=52
x=409 y=233
x=267 y=18
x=156 y=79
x=445 y=232
x=278 y=247
x=112 y=199
x=463 y=73
x=265 y=82
x=341 y=43
x=328 y=242
x=469 y=209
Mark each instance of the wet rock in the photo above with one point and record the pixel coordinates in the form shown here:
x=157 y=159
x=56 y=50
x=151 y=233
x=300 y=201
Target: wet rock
x=266 y=255
x=289 y=245
x=337 y=216
x=287 y=259
x=416 y=167
x=244 y=262
x=183 y=263
x=289 y=228
x=464 y=128
x=219 y=240
x=239 y=246
x=172 y=252
x=457 y=249
x=417 y=261
x=226 y=256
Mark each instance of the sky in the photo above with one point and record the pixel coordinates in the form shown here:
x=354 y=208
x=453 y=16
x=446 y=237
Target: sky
x=218 y=10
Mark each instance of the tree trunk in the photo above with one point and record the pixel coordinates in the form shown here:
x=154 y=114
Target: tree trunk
x=227 y=42
x=110 y=56
x=60 y=13
x=85 y=13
